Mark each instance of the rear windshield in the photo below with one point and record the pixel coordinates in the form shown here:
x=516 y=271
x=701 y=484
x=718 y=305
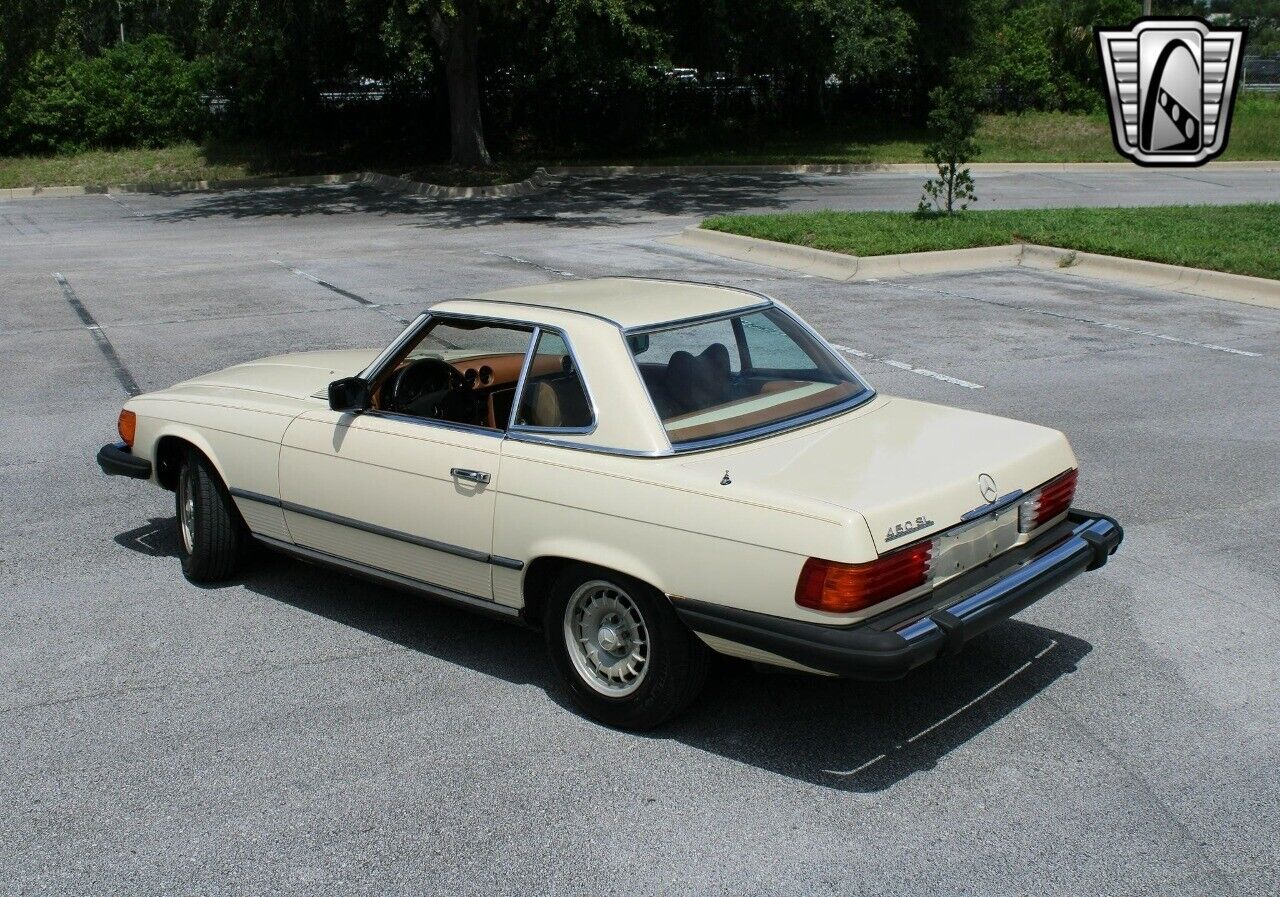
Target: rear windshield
x=727 y=376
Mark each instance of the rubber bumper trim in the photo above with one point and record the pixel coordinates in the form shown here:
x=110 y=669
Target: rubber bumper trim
x=115 y=459
x=865 y=652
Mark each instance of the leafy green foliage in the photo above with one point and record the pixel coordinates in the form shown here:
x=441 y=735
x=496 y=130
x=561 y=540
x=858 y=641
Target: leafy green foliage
x=953 y=122
x=135 y=94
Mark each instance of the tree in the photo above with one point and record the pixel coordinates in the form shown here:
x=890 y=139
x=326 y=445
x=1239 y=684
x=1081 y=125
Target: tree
x=953 y=122
x=455 y=25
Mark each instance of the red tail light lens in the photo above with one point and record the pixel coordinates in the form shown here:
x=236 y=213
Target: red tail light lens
x=1047 y=502
x=843 y=588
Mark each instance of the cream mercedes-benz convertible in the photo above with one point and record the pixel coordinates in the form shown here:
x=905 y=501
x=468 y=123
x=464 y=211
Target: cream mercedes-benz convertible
x=647 y=470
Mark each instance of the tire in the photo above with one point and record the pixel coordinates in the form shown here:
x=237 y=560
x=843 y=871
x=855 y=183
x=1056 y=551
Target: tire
x=211 y=534
x=656 y=667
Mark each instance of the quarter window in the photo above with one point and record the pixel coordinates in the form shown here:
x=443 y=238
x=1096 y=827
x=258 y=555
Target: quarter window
x=553 y=397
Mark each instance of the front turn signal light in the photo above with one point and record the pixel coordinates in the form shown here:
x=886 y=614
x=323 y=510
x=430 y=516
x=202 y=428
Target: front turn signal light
x=128 y=426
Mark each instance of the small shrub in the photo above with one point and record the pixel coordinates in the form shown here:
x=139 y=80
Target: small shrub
x=953 y=122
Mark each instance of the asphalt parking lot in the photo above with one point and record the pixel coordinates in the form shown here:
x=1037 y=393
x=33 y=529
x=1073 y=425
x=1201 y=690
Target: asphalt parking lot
x=298 y=732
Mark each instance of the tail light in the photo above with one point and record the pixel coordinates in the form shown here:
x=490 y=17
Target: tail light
x=1047 y=502
x=842 y=588
x=128 y=426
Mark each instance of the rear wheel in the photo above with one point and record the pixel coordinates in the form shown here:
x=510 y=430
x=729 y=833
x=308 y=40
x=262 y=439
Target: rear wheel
x=211 y=535
x=624 y=653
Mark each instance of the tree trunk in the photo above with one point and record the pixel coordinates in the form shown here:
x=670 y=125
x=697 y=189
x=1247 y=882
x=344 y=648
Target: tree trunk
x=457 y=37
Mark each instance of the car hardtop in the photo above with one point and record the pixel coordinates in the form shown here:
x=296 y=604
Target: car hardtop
x=628 y=303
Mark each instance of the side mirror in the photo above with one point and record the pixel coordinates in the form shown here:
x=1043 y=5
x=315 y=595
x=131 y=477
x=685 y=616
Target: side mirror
x=350 y=394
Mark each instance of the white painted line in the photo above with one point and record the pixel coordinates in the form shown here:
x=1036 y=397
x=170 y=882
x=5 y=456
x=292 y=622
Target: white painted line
x=910 y=368
x=516 y=258
x=950 y=716
x=1079 y=320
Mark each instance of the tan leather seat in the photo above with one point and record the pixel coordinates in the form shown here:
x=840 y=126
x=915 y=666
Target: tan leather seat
x=544 y=406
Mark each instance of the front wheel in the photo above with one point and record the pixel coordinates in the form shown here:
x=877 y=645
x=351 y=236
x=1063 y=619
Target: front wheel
x=628 y=659
x=211 y=534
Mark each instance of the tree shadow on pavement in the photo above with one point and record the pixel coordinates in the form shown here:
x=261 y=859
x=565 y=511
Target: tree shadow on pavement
x=573 y=203
x=839 y=734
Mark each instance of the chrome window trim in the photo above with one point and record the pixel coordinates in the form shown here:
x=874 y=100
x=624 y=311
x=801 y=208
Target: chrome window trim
x=537 y=439
x=711 y=317
x=524 y=372
x=582 y=378
x=537 y=309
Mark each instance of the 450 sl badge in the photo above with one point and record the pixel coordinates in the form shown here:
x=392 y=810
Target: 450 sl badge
x=907 y=528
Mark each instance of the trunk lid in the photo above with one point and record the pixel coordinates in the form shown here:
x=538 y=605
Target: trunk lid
x=908 y=468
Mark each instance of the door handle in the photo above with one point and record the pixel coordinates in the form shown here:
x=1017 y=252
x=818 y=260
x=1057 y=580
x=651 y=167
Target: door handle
x=475 y=476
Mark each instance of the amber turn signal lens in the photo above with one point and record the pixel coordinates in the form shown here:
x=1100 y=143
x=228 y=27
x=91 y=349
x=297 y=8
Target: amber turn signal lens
x=128 y=426
x=844 y=588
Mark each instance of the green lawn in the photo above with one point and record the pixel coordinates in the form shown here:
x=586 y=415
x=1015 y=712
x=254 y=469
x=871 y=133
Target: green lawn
x=1029 y=137
x=1240 y=239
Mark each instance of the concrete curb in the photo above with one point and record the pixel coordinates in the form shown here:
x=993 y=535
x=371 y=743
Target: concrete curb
x=539 y=180
x=535 y=183
x=1260 y=291
x=176 y=186
x=870 y=167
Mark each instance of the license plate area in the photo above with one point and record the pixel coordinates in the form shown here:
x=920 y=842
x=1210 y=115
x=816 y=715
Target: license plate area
x=965 y=547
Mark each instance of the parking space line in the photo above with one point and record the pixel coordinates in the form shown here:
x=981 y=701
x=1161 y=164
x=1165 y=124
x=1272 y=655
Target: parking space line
x=104 y=345
x=1065 y=317
x=346 y=294
x=910 y=368
x=906 y=743
x=122 y=204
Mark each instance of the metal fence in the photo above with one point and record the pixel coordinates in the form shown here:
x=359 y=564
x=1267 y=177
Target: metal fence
x=1261 y=73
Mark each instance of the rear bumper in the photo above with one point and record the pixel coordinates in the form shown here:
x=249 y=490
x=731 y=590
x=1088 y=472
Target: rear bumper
x=116 y=459
x=901 y=640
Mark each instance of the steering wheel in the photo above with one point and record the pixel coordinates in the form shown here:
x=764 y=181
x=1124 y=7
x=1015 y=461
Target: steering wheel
x=421 y=386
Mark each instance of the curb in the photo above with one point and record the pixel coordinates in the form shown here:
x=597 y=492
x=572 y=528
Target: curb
x=175 y=186
x=536 y=182
x=871 y=167
x=1260 y=291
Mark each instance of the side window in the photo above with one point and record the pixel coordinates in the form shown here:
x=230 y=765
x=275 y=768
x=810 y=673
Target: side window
x=554 y=397
x=459 y=371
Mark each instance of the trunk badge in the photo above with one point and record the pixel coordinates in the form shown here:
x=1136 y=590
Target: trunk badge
x=987 y=486
x=905 y=529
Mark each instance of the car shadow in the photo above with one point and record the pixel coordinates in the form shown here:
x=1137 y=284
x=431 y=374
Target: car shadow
x=574 y=202
x=157 y=538
x=839 y=734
